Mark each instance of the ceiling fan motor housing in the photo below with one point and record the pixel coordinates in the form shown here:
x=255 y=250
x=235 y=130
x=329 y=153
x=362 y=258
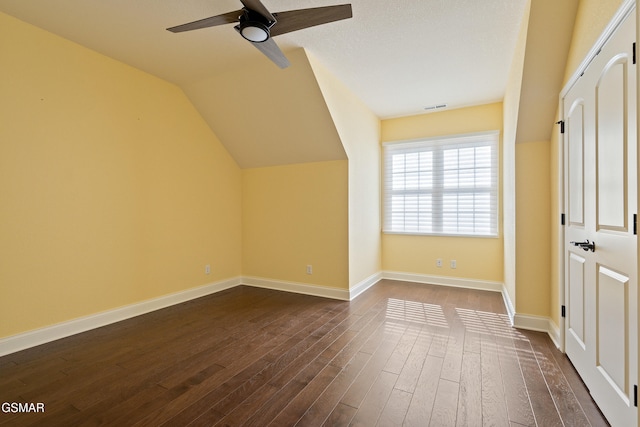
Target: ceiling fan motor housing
x=254 y=27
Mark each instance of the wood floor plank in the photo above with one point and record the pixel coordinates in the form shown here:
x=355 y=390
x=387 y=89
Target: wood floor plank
x=110 y=413
x=225 y=398
x=494 y=407
x=515 y=389
x=571 y=411
x=179 y=396
x=452 y=363
x=61 y=390
x=348 y=351
x=469 y=412
x=327 y=348
x=588 y=406
x=192 y=364
x=375 y=400
x=400 y=354
x=30 y=375
x=285 y=394
x=445 y=407
x=421 y=406
x=157 y=411
x=359 y=389
x=395 y=409
x=408 y=378
x=544 y=409
x=159 y=401
x=471 y=341
x=255 y=376
x=439 y=341
x=61 y=416
x=298 y=406
x=327 y=401
x=341 y=416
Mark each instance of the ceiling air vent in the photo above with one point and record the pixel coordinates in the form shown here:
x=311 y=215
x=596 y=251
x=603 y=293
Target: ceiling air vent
x=435 y=107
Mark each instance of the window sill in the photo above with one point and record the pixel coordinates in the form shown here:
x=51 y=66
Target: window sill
x=466 y=236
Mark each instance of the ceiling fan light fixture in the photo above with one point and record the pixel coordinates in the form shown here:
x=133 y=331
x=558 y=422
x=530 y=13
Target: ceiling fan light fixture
x=254 y=31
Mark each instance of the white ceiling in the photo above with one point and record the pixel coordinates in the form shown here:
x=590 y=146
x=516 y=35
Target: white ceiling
x=397 y=56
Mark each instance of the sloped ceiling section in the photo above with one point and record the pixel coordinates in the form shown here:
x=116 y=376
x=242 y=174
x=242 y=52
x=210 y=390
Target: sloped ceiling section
x=548 y=40
x=266 y=116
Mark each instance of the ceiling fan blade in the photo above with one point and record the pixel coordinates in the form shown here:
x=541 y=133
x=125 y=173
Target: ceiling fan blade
x=258 y=7
x=226 y=18
x=294 y=20
x=273 y=52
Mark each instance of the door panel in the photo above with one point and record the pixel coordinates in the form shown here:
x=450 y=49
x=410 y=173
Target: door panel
x=576 y=299
x=611 y=141
x=612 y=311
x=575 y=138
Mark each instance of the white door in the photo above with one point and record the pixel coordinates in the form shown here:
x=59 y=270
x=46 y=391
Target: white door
x=600 y=201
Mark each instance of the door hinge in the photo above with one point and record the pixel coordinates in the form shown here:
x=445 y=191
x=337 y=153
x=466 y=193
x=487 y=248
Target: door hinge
x=635 y=224
x=635 y=395
x=634 y=52
x=561 y=123
x=564 y=311
x=562 y=219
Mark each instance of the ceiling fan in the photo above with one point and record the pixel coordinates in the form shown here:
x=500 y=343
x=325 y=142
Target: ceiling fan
x=257 y=25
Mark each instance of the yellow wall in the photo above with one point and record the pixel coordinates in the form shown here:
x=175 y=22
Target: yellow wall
x=113 y=189
x=294 y=216
x=511 y=107
x=556 y=270
x=592 y=18
x=359 y=130
x=532 y=228
x=477 y=258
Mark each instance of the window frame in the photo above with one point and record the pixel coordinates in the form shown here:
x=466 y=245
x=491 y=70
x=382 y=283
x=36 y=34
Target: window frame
x=438 y=145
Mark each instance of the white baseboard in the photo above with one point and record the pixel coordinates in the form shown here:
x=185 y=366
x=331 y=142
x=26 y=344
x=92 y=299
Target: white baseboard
x=532 y=323
x=298 y=288
x=47 y=334
x=314 y=290
x=365 y=284
x=540 y=324
x=554 y=334
x=508 y=304
x=444 y=281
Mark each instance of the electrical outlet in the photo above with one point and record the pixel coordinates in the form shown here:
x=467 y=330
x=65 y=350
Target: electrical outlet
x=439 y=263
x=454 y=264
x=309 y=269
x=207 y=269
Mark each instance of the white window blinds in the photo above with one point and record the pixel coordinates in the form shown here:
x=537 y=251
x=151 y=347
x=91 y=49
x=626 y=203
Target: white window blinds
x=446 y=186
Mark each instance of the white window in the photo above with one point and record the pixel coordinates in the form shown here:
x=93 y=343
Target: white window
x=442 y=186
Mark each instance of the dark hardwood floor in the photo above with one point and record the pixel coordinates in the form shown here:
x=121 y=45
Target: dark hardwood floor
x=400 y=354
